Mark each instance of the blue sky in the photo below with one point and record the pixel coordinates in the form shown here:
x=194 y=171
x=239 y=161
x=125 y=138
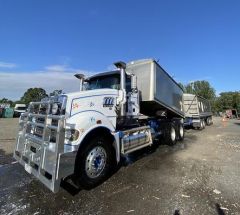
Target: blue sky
x=43 y=43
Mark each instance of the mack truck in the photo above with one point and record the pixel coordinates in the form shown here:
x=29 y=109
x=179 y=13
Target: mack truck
x=197 y=110
x=84 y=135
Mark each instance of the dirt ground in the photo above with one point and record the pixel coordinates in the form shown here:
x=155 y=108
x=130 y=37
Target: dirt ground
x=198 y=176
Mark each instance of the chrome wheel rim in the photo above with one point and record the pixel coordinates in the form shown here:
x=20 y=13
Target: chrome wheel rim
x=95 y=162
x=173 y=134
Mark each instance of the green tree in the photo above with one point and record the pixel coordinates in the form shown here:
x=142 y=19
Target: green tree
x=6 y=101
x=33 y=95
x=201 y=88
x=182 y=86
x=55 y=92
x=228 y=100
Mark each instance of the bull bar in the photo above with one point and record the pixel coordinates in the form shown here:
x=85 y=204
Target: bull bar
x=44 y=153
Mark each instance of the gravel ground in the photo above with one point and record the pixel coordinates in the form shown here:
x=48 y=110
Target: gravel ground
x=198 y=176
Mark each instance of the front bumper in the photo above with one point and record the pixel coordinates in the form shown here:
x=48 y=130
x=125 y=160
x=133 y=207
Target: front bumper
x=47 y=158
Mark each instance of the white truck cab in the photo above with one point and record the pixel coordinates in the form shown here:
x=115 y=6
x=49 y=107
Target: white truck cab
x=19 y=109
x=84 y=134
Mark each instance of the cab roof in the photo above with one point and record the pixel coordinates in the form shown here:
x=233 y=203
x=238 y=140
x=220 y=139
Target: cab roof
x=116 y=72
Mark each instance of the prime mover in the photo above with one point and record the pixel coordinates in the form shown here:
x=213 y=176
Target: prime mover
x=83 y=135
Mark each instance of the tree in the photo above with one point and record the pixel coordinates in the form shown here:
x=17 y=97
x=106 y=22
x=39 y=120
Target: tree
x=228 y=100
x=33 y=95
x=55 y=92
x=182 y=86
x=6 y=101
x=201 y=88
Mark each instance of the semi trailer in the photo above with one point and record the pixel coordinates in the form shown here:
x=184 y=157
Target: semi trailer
x=197 y=110
x=83 y=135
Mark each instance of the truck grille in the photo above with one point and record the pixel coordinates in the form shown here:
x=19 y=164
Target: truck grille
x=40 y=141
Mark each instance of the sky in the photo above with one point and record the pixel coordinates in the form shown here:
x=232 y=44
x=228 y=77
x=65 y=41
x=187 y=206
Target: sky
x=44 y=43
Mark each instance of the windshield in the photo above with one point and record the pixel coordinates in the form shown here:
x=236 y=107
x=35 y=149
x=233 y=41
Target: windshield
x=112 y=82
x=21 y=108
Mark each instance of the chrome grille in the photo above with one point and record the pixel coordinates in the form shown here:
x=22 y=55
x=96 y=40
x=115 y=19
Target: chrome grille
x=40 y=141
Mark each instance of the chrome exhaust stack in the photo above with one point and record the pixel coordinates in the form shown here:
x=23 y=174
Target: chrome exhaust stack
x=81 y=79
x=122 y=66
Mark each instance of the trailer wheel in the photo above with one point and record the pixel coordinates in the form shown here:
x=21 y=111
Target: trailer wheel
x=94 y=163
x=211 y=121
x=208 y=121
x=204 y=123
x=170 y=136
x=201 y=126
x=181 y=132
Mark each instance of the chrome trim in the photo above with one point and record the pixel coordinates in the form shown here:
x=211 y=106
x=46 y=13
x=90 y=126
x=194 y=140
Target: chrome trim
x=50 y=161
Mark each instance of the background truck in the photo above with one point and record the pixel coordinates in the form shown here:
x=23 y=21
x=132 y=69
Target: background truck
x=197 y=111
x=231 y=113
x=19 y=109
x=84 y=134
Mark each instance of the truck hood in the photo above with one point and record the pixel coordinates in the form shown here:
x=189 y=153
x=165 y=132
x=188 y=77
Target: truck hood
x=91 y=93
x=88 y=100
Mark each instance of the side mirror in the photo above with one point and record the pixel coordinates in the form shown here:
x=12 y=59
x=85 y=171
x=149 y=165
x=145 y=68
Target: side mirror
x=134 y=83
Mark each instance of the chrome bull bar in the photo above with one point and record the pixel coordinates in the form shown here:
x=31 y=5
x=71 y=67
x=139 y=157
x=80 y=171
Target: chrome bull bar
x=40 y=144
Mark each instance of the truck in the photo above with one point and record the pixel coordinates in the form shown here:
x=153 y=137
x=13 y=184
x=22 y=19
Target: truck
x=197 y=110
x=19 y=109
x=231 y=113
x=83 y=135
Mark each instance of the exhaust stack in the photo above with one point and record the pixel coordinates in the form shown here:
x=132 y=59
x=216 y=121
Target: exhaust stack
x=122 y=66
x=81 y=79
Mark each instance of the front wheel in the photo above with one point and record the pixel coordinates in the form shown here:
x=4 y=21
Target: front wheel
x=94 y=163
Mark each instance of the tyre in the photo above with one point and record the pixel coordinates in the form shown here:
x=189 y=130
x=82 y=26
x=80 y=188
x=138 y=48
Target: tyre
x=170 y=135
x=181 y=132
x=201 y=126
x=94 y=163
x=208 y=121
x=211 y=121
x=204 y=123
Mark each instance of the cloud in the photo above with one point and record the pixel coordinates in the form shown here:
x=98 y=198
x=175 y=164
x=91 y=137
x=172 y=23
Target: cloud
x=61 y=77
x=64 y=68
x=7 y=65
x=56 y=68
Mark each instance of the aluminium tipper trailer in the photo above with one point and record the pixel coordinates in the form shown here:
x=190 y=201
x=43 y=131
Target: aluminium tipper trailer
x=157 y=89
x=83 y=135
x=197 y=110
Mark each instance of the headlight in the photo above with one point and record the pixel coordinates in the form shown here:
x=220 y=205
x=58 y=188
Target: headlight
x=71 y=134
x=55 y=108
